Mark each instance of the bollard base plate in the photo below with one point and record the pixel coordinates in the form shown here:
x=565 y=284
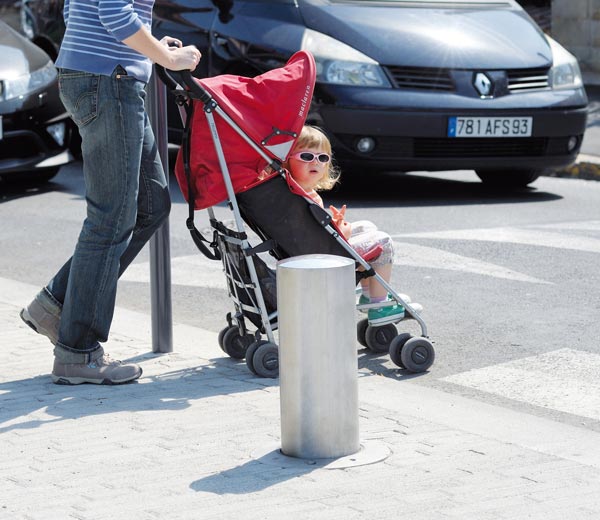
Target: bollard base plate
x=371 y=452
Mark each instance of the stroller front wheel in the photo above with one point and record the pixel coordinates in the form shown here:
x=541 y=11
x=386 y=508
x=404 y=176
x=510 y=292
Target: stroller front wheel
x=417 y=354
x=234 y=345
x=396 y=347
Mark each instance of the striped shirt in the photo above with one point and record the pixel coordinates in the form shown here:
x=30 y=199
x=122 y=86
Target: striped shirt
x=95 y=32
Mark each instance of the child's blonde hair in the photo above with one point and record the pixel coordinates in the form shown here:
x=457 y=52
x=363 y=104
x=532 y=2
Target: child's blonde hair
x=314 y=137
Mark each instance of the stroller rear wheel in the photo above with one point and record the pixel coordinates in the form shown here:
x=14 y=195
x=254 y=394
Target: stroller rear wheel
x=265 y=360
x=250 y=354
x=378 y=339
x=361 y=331
x=235 y=345
x=221 y=334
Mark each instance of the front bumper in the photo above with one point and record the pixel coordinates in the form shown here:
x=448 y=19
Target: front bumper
x=415 y=137
x=26 y=144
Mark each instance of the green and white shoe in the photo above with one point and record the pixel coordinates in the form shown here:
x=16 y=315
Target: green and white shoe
x=384 y=315
x=364 y=300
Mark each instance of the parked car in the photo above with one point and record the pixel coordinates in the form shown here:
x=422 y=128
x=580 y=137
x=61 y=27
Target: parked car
x=34 y=126
x=402 y=84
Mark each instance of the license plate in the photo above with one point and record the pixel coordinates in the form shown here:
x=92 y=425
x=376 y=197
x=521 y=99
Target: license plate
x=490 y=126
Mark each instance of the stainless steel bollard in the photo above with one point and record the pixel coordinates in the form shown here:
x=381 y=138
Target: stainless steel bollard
x=318 y=363
x=160 y=244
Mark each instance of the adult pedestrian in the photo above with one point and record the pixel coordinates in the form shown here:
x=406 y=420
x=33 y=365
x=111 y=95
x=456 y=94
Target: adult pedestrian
x=105 y=62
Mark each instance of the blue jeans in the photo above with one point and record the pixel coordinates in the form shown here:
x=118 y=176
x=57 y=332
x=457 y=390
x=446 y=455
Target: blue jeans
x=127 y=200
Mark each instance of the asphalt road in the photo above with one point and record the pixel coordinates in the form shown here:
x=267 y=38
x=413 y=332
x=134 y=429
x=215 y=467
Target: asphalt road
x=509 y=281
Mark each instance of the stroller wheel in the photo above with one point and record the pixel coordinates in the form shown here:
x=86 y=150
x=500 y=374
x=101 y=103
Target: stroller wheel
x=266 y=360
x=417 y=354
x=250 y=354
x=396 y=348
x=235 y=345
x=361 y=331
x=379 y=338
x=221 y=334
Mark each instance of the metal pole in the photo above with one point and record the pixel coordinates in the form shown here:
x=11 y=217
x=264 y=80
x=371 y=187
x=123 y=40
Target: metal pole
x=318 y=364
x=160 y=253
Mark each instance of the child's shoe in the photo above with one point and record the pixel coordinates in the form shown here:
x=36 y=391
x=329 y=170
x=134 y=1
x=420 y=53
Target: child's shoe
x=364 y=300
x=384 y=315
x=416 y=307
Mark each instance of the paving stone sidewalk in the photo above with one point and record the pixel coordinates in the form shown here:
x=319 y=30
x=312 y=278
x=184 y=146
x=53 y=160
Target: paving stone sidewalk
x=198 y=438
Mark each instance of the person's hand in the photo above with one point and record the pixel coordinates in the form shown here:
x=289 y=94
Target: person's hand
x=169 y=41
x=180 y=57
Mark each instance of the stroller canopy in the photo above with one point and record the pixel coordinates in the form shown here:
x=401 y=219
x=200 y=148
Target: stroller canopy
x=270 y=109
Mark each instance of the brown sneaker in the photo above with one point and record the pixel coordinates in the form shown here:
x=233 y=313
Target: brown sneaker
x=43 y=316
x=102 y=371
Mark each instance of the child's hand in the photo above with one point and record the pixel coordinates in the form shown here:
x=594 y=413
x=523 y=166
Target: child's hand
x=338 y=219
x=338 y=214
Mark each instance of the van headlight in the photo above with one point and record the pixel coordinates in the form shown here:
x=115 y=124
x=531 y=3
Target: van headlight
x=565 y=71
x=23 y=85
x=341 y=64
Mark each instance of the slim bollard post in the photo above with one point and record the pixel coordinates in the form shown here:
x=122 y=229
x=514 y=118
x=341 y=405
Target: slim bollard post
x=318 y=364
x=160 y=248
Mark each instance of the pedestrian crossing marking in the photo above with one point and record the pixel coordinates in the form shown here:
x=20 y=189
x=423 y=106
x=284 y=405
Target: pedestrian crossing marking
x=589 y=225
x=564 y=380
x=191 y=271
x=534 y=237
x=414 y=255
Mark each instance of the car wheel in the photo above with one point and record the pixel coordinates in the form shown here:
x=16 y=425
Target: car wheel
x=508 y=178
x=30 y=178
x=44 y=176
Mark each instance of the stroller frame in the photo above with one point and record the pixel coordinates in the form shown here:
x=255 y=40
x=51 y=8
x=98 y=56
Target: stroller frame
x=234 y=339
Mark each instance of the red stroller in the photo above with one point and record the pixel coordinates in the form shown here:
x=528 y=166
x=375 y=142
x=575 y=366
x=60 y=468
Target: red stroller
x=258 y=122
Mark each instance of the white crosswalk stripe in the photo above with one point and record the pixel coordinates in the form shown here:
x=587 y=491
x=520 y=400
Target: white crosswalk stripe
x=191 y=271
x=565 y=380
x=513 y=235
x=429 y=257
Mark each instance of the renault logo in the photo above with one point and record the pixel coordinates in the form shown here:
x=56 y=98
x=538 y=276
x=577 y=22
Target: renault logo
x=483 y=84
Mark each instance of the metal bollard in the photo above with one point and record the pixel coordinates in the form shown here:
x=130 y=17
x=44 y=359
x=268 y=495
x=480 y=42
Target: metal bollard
x=318 y=364
x=160 y=245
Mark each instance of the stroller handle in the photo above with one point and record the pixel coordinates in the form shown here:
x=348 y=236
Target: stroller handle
x=186 y=78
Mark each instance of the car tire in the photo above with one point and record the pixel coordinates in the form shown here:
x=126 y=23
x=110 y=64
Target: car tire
x=44 y=175
x=30 y=178
x=508 y=178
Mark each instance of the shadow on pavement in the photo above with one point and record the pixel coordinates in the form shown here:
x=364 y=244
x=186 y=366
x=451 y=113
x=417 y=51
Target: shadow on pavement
x=412 y=189
x=252 y=476
x=172 y=390
x=68 y=180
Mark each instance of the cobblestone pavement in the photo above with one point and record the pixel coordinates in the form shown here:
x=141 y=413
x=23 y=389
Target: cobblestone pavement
x=198 y=437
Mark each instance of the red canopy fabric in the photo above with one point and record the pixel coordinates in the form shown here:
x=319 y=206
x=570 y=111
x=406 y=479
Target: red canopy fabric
x=270 y=109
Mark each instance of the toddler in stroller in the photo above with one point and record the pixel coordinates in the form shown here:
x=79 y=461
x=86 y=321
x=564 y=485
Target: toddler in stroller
x=310 y=164
x=246 y=169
